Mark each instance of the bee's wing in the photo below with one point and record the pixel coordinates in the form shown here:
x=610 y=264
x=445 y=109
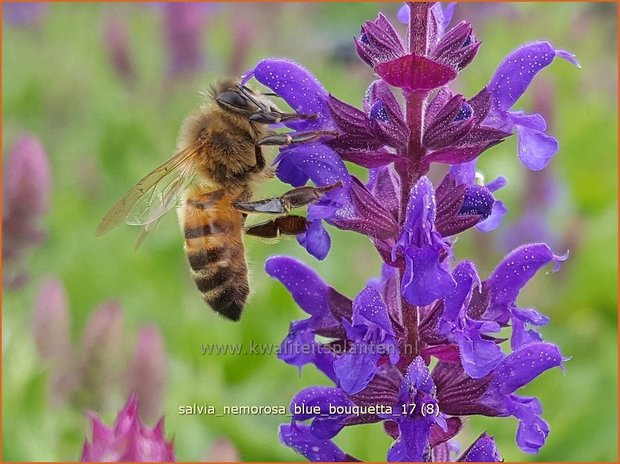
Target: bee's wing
x=178 y=167
x=160 y=199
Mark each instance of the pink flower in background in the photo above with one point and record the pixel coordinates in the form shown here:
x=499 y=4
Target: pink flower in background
x=184 y=27
x=116 y=42
x=50 y=323
x=244 y=31
x=26 y=192
x=222 y=450
x=23 y=13
x=128 y=440
x=147 y=371
x=104 y=366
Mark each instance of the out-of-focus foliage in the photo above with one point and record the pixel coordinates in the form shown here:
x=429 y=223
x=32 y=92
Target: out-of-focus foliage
x=104 y=127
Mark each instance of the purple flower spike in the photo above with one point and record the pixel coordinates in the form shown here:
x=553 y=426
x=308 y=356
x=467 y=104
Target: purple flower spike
x=512 y=77
x=185 y=25
x=26 y=192
x=147 y=372
x=376 y=349
x=482 y=450
x=24 y=14
x=50 y=323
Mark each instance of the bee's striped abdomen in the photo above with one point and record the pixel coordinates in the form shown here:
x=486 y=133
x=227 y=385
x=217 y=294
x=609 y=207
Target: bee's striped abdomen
x=215 y=252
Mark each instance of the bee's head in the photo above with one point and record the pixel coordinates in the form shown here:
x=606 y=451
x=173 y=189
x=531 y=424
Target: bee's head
x=232 y=96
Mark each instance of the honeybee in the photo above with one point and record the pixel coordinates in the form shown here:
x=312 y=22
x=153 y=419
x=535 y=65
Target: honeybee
x=218 y=163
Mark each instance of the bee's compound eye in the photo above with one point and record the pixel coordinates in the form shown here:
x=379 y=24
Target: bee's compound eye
x=232 y=100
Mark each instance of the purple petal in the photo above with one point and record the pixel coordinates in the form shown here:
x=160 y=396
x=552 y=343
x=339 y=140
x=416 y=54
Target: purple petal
x=478 y=200
x=418 y=377
x=369 y=310
x=521 y=333
x=355 y=370
x=412 y=72
x=411 y=443
x=482 y=450
x=301 y=439
x=517 y=70
x=496 y=184
x=425 y=278
x=524 y=365
x=316 y=240
x=316 y=162
x=511 y=275
x=464 y=173
x=535 y=148
x=295 y=348
x=306 y=287
x=312 y=399
x=532 y=431
x=479 y=355
x=299 y=88
x=420 y=215
x=495 y=218
x=466 y=276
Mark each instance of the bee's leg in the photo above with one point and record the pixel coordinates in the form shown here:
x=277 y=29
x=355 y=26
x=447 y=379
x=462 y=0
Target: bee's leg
x=295 y=198
x=295 y=137
x=260 y=159
x=275 y=117
x=285 y=225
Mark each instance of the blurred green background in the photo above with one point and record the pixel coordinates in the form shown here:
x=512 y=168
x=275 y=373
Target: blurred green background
x=104 y=127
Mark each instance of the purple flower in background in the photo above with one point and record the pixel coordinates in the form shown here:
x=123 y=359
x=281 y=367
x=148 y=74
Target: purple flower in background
x=128 y=440
x=50 y=322
x=26 y=198
x=376 y=348
x=117 y=44
x=184 y=28
x=23 y=13
x=147 y=374
x=98 y=370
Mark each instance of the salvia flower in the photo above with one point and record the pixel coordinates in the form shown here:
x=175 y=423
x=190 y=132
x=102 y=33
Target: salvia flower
x=23 y=14
x=117 y=43
x=26 y=199
x=128 y=440
x=146 y=373
x=184 y=26
x=426 y=308
x=103 y=366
